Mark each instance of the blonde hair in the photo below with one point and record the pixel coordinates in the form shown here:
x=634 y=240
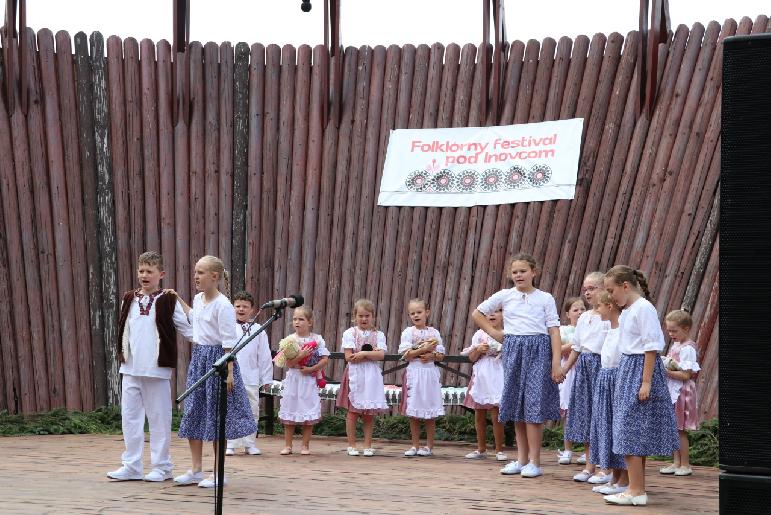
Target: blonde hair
x=215 y=264
x=595 y=277
x=607 y=298
x=366 y=305
x=418 y=300
x=151 y=258
x=680 y=317
x=305 y=311
x=625 y=274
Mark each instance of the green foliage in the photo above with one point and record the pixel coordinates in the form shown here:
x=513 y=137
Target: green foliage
x=61 y=422
x=704 y=444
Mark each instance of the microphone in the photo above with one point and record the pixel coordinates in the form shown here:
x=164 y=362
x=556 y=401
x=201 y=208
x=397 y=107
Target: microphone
x=306 y=6
x=293 y=301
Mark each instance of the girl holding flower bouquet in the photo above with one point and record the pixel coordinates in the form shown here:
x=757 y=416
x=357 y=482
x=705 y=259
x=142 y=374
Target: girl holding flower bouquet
x=300 y=403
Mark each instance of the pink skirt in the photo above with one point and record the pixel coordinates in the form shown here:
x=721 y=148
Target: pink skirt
x=469 y=401
x=686 y=412
x=342 y=400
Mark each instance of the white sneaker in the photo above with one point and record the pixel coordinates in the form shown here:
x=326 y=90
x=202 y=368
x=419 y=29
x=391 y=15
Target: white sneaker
x=189 y=478
x=253 y=451
x=369 y=452
x=564 y=457
x=499 y=456
x=230 y=452
x=210 y=482
x=352 y=451
x=125 y=474
x=476 y=455
x=668 y=470
x=683 y=471
x=600 y=479
x=425 y=451
x=157 y=475
x=609 y=489
x=583 y=476
x=531 y=470
x=511 y=469
x=412 y=451
x=581 y=459
x=626 y=499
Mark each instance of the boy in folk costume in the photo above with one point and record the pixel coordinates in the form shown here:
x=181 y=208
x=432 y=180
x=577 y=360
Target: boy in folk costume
x=147 y=341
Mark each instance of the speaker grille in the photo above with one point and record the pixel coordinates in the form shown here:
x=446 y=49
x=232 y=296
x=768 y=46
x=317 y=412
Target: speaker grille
x=745 y=256
x=744 y=495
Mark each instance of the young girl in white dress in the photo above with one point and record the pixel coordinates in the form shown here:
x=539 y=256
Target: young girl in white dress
x=485 y=387
x=572 y=308
x=300 y=403
x=421 y=345
x=361 y=390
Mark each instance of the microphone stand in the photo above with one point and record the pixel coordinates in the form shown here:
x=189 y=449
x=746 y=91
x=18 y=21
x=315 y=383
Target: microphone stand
x=220 y=368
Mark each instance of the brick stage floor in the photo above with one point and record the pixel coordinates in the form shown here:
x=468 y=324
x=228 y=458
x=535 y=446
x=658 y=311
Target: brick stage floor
x=66 y=474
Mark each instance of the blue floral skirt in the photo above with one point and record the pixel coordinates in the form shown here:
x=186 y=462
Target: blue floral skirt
x=529 y=394
x=601 y=434
x=642 y=428
x=199 y=421
x=579 y=418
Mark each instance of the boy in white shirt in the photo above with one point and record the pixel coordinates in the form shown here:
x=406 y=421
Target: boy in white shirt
x=256 y=366
x=147 y=344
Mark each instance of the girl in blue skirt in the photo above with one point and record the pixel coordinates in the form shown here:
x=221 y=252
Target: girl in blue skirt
x=214 y=329
x=531 y=361
x=643 y=414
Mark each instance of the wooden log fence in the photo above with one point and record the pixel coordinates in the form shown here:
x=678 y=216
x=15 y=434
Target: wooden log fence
x=96 y=173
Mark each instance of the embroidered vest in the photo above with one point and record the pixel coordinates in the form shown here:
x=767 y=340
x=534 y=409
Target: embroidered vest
x=164 y=322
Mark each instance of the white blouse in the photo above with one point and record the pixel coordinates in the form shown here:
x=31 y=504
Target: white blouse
x=254 y=360
x=214 y=323
x=610 y=356
x=640 y=328
x=523 y=313
x=349 y=340
x=590 y=332
x=412 y=335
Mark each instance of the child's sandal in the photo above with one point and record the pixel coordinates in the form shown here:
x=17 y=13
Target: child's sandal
x=305 y=451
x=285 y=451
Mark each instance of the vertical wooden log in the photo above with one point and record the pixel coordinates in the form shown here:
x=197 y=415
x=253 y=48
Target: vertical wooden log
x=211 y=213
x=44 y=228
x=149 y=143
x=166 y=186
x=296 y=203
x=107 y=207
x=7 y=333
x=26 y=217
x=120 y=175
x=313 y=182
x=87 y=142
x=225 y=166
x=134 y=143
x=240 y=164
x=197 y=156
x=71 y=147
x=59 y=203
x=256 y=131
x=283 y=176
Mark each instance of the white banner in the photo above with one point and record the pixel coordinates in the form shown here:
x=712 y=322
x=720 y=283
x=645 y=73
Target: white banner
x=474 y=166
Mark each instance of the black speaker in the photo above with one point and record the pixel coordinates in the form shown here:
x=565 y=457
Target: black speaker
x=744 y=494
x=745 y=258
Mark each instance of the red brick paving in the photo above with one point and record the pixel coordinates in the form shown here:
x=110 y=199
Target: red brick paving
x=66 y=474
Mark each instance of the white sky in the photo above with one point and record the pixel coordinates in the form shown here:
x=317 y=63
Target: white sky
x=367 y=22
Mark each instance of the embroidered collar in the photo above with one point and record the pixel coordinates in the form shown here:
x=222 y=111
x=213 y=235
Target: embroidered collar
x=145 y=310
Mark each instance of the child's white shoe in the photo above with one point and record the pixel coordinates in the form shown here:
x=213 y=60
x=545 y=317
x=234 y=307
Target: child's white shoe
x=158 y=475
x=230 y=451
x=352 y=451
x=425 y=451
x=476 y=455
x=499 y=456
x=581 y=459
x=189 y=478
x=609 y=489
x=583 y=476
x=626 y=499
x=369 y=452
x=412 y=451
x=531 y=470
x=125 y=474
x=600 y=479
x=564 y=457
x=211 y=482
x=253 y=451
x=511 y=469
x=683 y=471
x=668 y=470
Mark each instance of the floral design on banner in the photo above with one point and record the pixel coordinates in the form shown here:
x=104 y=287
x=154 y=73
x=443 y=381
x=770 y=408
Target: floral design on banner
x=491 y=180
x=539 y=175
x=417 y=181
x=516 y=178
x=467 y=181
x=443 y=181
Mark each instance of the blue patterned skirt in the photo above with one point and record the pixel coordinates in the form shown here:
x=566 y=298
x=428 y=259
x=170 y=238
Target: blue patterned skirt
x=199 y=421
x=642 y=428
x=580 y=408
x=601 y=435
x=529 y=394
